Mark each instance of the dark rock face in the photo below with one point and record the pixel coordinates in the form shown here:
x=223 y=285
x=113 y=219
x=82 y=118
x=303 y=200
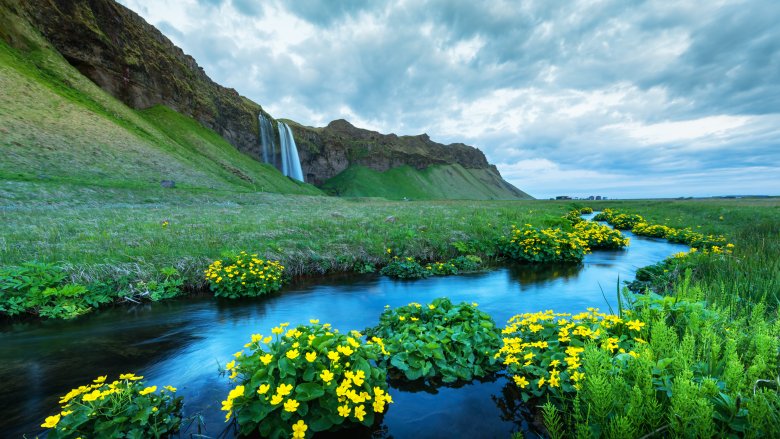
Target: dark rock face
x=136 y=63
x=326 y=152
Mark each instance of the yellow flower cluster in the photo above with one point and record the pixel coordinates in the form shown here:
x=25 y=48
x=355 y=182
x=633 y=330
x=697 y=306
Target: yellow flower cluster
x=296 y=367
x=99 y=400
x=244 y=275
x=545 y=245
x=543 y=351
x=600 y=236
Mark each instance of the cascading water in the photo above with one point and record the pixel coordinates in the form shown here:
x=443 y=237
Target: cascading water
x=267 y=140
x=291 y=164
x=285 y=158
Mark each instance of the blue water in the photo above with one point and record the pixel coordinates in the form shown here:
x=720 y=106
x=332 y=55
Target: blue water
x=180 y=343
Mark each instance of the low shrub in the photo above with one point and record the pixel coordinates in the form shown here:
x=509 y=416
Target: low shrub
x=534 y=245
x=586 y=210
x=244 y=275
x=599 y=236
x=305 y=380
x=124 y=408
x=405 y=268
x=468 y=263
x=42 y=290
x=574 y=217
x=652 y=230
x=441 y=341
x=442 y=268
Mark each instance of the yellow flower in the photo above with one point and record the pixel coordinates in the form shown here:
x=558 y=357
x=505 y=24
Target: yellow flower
x=93 y=396
x=540 y=383
x=66 y=412
x=292 y=354
x=389 y=250
x=101 y=379
x=130 y=376
x=314 y=321
x=291 y=405
x=311 y=356
x=230 y=365
x=277 y=330
x=358 y=377
x=299 y=429
x=170 y=388
x=344 y=410
x=148 y=390
x=266 y=358
x=577 y=376
x=520 y=381
x=51 y=421
x=263 y=389
x=636 y=325
x=333 y=356
x=276 y=399
x=284 y=389
x=326 y=376
x=360 y=412
x=346 y=350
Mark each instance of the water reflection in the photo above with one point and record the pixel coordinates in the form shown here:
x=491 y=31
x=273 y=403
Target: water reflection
x=181 y=343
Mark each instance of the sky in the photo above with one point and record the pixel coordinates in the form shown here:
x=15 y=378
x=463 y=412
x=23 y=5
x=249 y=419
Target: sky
x=619 y=98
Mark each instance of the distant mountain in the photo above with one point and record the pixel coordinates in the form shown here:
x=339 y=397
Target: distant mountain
x=49 y=44
x=348 y=161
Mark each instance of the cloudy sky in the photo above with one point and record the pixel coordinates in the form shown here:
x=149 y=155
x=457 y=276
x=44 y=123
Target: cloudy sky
x=612 y=97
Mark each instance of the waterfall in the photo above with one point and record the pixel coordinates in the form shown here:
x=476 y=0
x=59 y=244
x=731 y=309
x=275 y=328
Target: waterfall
x=267 y=140
x=291 y=164
x=285 y=158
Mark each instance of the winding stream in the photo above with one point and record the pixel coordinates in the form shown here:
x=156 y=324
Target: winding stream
x=180 y=342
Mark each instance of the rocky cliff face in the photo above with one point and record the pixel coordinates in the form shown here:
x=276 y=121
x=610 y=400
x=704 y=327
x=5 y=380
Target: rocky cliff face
x=326 y=152
x=136 y=63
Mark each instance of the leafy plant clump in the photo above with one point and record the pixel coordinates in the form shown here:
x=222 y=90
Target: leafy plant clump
x=534 y=245
x=244 y=275
x=42 y=290
x=543 y=351
x=409 y=268
x=586 y=210
x=441 y=341
x=124 y=408
x=600 y=236
x=405 y=268
x=305 y=380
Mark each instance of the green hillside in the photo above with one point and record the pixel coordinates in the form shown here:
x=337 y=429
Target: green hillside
x=56 y=125
x=435 y=182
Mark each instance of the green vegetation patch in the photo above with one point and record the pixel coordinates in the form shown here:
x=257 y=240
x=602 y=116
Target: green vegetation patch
x=440 y=342
x=434 y=182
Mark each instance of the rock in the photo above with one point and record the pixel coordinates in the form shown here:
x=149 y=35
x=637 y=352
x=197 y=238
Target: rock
x=390 y=219
x=326 y=152
x=168 y=184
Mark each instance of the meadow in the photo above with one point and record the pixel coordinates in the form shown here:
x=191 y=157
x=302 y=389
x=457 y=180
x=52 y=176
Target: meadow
x=694 y=353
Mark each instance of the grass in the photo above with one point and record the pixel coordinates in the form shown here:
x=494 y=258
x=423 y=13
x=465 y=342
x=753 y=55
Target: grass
x=103 y=229
x=435 y=182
